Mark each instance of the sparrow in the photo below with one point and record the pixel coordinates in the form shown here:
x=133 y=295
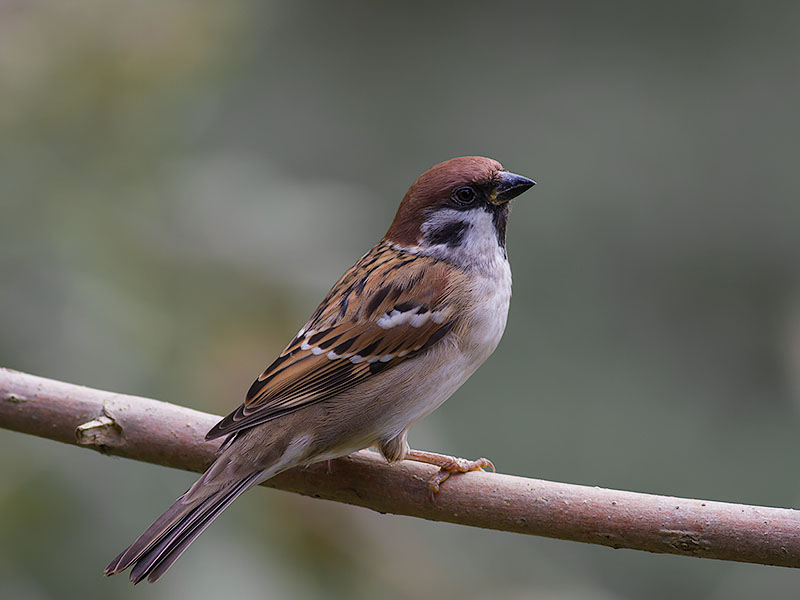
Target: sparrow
x=395 y=337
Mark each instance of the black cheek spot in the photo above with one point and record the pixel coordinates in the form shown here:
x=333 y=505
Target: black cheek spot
x=451 y=234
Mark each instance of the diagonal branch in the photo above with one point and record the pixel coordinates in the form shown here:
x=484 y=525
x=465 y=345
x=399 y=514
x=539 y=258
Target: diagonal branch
x=171 y=435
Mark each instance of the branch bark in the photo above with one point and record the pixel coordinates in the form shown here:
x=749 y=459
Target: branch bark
x=171 y=435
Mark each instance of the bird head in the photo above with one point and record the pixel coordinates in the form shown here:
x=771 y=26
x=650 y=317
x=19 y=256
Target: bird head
x=458 y=209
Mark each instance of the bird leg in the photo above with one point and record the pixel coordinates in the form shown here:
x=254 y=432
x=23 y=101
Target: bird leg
x=447 y=466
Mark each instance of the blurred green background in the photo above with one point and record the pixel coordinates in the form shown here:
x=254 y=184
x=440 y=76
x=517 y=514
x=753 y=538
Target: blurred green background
x=180 y=184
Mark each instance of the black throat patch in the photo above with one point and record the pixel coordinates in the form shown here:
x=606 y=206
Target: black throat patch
x=500 y=219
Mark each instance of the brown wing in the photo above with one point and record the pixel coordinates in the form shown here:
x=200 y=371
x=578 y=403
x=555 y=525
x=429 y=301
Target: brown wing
x=369 y=322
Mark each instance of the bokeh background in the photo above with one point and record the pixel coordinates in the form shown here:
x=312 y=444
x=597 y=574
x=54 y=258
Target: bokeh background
x=180 y=184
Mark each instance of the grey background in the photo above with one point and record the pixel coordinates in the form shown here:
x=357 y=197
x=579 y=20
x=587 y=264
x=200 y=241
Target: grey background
x=180 y=184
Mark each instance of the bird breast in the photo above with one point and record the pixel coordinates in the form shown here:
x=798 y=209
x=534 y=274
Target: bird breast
x=487 y=312
x=422 y=384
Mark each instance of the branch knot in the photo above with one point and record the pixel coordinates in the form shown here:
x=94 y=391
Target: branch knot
x=100 y=433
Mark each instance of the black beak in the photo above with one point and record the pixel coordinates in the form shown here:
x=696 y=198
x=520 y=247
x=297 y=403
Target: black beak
x=509 y=186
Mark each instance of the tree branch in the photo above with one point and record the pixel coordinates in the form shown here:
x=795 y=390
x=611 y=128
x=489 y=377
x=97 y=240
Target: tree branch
x=171 y=435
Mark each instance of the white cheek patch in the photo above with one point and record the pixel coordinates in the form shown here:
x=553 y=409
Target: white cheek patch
x=478 y=247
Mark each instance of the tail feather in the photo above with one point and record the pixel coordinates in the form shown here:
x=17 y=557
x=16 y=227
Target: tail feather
x=169 y=536
x=147 y=560
x=156 y=562
x=160 y=528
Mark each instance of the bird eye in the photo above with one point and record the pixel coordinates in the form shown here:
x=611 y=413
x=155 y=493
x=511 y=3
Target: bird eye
x=465 y=195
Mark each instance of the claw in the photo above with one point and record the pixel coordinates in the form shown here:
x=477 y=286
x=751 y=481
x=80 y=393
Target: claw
x=435 y=482
x=447 y=466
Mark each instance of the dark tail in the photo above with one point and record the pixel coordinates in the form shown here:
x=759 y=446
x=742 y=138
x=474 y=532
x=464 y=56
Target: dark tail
x=167 y=538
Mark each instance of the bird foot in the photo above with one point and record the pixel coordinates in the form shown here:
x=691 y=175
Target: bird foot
x=448 y=465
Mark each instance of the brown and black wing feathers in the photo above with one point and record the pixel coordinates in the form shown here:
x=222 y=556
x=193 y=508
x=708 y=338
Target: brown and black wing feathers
x=389 y=306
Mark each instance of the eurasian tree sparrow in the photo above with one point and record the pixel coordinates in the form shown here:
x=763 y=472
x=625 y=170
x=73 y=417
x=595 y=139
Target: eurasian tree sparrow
x=394 y=338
